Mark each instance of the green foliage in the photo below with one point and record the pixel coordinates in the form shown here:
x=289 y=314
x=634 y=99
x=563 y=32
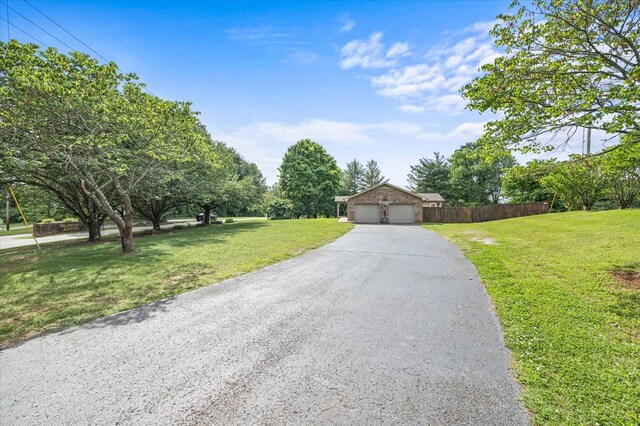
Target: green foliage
x=566 y=64
x=89 y=134
x=474 y=179
x=279 y=208
x=621 y=173
x=431 y=175
x=372 y=174
x=70 y=220
x=47 y=220
x=571 y=326
x=523 y=184
x=36 y=204
x=309 y=179
x=229 y=220
x=579 y=183
x=234 y=187
x=352 y=178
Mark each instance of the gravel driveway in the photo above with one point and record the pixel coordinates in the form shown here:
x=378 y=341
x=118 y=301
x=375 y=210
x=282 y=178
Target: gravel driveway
x=387 y=325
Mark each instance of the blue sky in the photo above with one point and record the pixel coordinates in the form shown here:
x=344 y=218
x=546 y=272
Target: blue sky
x=368 y=80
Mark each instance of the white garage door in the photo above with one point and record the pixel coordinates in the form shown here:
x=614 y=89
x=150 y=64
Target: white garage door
x=402 y=213
x=367 y=213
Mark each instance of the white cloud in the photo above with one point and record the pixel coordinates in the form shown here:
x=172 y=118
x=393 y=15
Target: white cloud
x=398 y=50
x=467 y=131
x=394 y=144
x=435 y=81
x=365 y=53
x=452 y=104
x=410 y=81
x=482 y=27
x=348 y=26
x=412 y=109
x=284 y=41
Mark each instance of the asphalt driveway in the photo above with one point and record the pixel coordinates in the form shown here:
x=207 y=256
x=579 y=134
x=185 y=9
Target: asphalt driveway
x=387 y=325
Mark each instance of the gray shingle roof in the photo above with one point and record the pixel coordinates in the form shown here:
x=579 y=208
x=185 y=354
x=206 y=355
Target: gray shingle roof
x=430 y=196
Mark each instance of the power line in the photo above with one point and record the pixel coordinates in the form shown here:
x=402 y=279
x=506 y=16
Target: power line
x=20 y=14
x=23 y=31
x=63 y=29
x=6 y=2
x=8 y=30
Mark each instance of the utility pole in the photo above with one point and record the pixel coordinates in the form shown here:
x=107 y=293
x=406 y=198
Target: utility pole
x=588 y=140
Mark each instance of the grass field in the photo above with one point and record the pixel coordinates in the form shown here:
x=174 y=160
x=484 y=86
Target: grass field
x=66 y=284
x=566 y=287
x=15 y=230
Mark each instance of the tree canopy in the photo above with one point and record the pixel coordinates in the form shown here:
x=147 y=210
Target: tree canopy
x=475 y=180
x=89 y=134
x=372 y=174
x=430 y=175
x=309 y=179
x=566 y=65
x=352 y=178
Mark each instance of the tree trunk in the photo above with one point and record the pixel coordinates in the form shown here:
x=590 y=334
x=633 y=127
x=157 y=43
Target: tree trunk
x=156 y=223
x=207 y=216
x=156 y=214
x=126 y=232
x=94 y=229
x=126 y=239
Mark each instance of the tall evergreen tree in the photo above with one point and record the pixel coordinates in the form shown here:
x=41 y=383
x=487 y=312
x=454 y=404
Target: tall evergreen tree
x=430 y=175
x=353 y=178
x=372 y=174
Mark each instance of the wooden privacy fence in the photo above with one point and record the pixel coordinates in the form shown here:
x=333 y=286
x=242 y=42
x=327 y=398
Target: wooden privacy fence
x=482 y=213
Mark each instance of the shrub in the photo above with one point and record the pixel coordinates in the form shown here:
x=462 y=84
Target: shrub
x=70 y=220
x=229 y=220
x=147 y=232
x=47 y=220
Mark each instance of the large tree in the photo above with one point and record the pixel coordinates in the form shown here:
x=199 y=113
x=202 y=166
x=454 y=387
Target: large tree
x=566 y=65
x=309 y=178
x=475 y=180
x=93 y=122
x=352 y=178
x=430 y=175
x=372 y=174
x=232 y=187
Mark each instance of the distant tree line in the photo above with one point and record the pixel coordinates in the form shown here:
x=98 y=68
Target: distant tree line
x=310 y=179
x=87 y=140
x=468 y=178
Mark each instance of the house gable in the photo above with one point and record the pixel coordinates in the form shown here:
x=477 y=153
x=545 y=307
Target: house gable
x=382 y=196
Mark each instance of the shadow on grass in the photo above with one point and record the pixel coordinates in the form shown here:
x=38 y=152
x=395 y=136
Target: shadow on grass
x=107 y=252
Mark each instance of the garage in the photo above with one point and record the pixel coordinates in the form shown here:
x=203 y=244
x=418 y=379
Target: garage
x=367 y=213
x=402 y=213
x=402 y=206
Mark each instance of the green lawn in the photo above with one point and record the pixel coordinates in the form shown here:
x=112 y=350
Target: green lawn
x=15 y=230
x=70 y=283
x=573 y=328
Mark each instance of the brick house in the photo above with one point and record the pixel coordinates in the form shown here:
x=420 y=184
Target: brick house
x=386 y=203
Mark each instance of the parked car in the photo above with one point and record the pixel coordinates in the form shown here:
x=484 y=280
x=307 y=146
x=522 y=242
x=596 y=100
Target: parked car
x=212 y=217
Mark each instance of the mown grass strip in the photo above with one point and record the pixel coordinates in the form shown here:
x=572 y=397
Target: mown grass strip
x=572 y=324
x=66 y=284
